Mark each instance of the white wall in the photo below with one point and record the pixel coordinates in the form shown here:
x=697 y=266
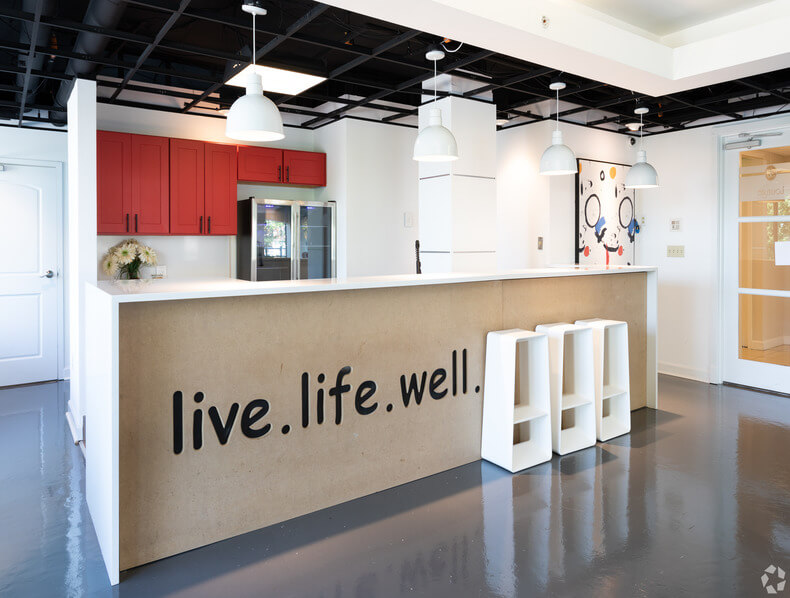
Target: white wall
x=689 y=340
x=531 y=205
x=687 y=165
x=371 y=176
x=52 y=146
x=381 y=188
x=82 y=234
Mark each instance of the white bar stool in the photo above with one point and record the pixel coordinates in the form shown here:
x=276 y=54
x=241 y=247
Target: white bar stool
x=612 y=380
x=572 y=384
x=516 y=426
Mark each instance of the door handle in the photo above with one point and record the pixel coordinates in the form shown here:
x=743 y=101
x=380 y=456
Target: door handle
x=47 y=274
x=135 y=223
x=208 y=230
x=279 y=174
x=127 y=223
x=201 y=225
x=288 y=174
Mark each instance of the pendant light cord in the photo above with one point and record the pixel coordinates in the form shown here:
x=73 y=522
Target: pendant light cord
x=558 y=109
x=253 y=41
x=641 y=132
x=434 y=81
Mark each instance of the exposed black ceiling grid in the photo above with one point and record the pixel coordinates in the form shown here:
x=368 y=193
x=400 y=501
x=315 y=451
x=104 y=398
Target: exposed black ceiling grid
x=182 y=51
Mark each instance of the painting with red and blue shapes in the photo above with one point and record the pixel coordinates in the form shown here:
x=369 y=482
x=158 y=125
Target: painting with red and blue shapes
x=606 y=224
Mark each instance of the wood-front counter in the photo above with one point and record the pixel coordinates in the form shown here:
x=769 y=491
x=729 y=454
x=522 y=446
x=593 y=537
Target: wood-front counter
x=211 y=417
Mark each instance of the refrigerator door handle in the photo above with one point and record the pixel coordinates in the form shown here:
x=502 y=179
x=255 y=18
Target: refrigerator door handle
x=295 y=243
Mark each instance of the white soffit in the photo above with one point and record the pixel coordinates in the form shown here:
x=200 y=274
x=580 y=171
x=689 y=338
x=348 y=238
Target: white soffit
x=741 y=37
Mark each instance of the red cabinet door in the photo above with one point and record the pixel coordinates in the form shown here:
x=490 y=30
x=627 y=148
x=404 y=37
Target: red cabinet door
x=260 y=164
x=304 y=168
x=114 y=183
x=187 y=192
x=150 y=185
x=220 y=189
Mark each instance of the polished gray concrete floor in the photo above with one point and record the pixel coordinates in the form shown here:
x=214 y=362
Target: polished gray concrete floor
x=694 y=502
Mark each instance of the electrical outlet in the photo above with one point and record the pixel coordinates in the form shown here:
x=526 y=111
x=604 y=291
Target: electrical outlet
x=540 y=243
x=159 y=272
x=676 y=251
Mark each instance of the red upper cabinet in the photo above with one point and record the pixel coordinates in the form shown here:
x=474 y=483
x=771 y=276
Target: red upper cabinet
x=187 y=189
x=114 y=183
x=260 y=164
x=150 y=185
x=304 y=168
x=220 y=189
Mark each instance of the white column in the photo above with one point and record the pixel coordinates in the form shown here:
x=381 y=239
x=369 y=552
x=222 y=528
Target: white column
x=457 y=200
x=82 y=263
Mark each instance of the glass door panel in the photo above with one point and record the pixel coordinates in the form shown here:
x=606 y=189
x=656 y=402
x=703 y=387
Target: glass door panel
x=274 y=242
x=316 y=241
x=764 y=258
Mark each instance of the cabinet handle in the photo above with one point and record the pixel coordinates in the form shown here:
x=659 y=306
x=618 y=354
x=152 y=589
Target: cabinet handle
x=288 y=174
x=279 y=174
x=135 y=223
x=201 y=225
x=127 y=223
x=208 y=231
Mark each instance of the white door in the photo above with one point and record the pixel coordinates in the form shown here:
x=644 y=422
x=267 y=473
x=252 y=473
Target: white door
x=30 y=213
x=756 y=255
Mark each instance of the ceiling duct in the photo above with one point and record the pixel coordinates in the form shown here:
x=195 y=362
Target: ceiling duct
x=102 y=14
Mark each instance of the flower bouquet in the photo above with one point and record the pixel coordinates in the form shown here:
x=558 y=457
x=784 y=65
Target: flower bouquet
x=125 y=259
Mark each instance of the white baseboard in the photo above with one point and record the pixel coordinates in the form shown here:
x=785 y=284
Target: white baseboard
x=683 y=372
x=74 y=434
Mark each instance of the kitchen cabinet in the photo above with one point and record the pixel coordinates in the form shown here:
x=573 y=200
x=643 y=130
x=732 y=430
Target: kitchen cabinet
x=269 y=165
x=304 y=168
x=114 y=182
x=220 y=189
x=150 y=185
x=202 y=188
x=260 y=164
x=132 y=184
x=187 y=187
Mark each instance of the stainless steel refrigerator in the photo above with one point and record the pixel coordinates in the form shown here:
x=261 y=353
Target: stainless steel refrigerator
x=285 y=240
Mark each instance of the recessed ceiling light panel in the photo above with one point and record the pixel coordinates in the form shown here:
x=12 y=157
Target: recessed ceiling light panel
x=277 y=80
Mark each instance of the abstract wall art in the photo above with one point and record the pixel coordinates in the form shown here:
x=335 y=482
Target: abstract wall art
x=606 y=225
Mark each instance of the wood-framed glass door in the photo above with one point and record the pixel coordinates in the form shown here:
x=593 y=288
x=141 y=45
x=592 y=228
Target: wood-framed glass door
x=756 y=254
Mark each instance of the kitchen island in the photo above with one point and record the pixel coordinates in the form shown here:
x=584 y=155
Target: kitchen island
x=219 y=407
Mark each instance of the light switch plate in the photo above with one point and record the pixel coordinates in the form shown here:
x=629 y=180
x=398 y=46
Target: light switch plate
x=540 y=243
x=675 y=225
x=676 y=251
x=408 y=219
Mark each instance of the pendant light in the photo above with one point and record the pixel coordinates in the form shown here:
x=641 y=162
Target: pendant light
x=254 y=117
x=558 y=157
x=641 y=175
x=435 y=143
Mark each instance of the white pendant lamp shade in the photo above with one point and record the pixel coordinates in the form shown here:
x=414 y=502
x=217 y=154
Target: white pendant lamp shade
x=435 y=143
x=558 y=157
x=641 y=175
x=254 y=117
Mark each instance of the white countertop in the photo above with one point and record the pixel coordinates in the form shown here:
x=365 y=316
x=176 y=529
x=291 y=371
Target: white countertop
x=168 y=290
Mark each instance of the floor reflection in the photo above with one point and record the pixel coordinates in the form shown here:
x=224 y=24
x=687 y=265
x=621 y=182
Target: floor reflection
x=694 y=501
